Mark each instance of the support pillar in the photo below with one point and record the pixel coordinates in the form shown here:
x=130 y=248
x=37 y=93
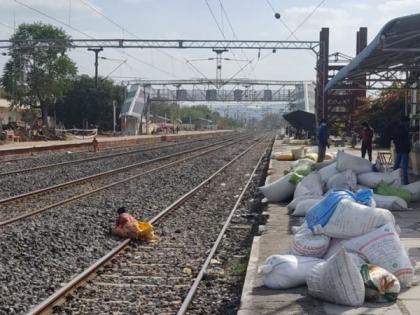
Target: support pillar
x=322 y=75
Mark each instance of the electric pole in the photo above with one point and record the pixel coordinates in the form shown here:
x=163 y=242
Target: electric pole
x=219 y=53
x=96 y=51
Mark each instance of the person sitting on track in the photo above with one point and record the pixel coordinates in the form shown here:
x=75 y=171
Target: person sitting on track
x=127 y=226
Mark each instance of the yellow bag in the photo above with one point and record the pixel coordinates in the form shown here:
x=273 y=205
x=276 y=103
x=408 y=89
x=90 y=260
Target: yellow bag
x=312 y=156
x=284 y=157
x=328 y=156
x=146 y=231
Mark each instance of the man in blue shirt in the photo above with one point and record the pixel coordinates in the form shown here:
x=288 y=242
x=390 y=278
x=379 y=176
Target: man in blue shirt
x=322 y=140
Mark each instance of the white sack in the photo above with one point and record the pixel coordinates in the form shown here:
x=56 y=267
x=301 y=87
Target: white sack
x=310 y=186
x=347 y=161
x=383 y=247
x=287 y=271
x=336 y=244
x=323 y=164
x=393 y=203
x=414 y=189
x=298 y=153
x=372 y=179
x=344 y=180
x=279 y=190
x=303 y=206
x=296 y=228
x=337 y=280
x=306 y=243
x=328 y=172
x=292 y=205
x=353 y=219
x=359 y=187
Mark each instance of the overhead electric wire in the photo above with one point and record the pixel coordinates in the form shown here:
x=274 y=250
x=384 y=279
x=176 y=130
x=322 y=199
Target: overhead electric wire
x=292 y=33
x=270 y=5
x=215 y=19
x=239 y=71
x=219 y=27
x=201 y=73
x=306 y=19
x=7 y=26
x=115 y=69
x=51 y=17
x=235 y=35
x=83 y=33
x=89 y=5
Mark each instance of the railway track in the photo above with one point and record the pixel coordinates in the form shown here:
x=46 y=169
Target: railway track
x=94 y=158
x=26 y=182
x=18 y=207
x=163 y=278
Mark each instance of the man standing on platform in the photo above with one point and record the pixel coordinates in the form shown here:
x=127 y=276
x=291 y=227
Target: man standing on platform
x=322 y=140
x=401 y=139
x=367 y=136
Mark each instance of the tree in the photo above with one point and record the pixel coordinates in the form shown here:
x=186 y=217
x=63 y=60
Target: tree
x=84 y=103
x=382 y=113
x=38 y=73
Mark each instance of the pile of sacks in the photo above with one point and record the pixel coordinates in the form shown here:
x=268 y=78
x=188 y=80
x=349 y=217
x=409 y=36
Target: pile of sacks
x=308 y=182
x=300 y=153
x=348 y=248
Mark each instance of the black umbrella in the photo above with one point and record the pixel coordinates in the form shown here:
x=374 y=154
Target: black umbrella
x=300 y=119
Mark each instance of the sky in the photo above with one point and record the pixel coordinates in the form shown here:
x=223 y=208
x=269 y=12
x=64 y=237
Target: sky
x=192 y=19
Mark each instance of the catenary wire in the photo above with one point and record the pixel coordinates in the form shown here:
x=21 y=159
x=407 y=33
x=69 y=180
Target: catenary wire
x=81 y=32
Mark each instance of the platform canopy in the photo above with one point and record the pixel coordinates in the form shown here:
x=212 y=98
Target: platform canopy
x=394 y=50
x=300 y=119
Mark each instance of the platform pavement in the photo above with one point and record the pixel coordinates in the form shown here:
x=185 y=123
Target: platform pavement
x=32 y=144
x=15 y=148
x=276 y=238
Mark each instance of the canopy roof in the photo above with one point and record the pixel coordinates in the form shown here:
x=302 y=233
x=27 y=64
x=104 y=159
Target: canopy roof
x=396 y=47
x=300 y=119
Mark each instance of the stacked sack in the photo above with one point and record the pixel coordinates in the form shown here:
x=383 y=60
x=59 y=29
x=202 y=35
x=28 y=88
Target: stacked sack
x=299 y=153
x=308 y=182
x=348 y=249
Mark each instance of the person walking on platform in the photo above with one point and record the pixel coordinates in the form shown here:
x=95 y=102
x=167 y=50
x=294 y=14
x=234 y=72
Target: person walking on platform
x=401 y=139
x=95 y=144
x=367 y=136
x=322 y=140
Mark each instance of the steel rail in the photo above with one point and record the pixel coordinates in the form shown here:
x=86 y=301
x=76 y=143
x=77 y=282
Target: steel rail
x=45 y=306
x=117 y=170
x=194 y=287
x=91 y=192
x=95 y=158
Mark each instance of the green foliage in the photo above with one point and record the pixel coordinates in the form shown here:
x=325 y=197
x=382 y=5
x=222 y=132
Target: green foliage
x=85 y=104
x=3 y=93
x=382 y=114
x=38 y=74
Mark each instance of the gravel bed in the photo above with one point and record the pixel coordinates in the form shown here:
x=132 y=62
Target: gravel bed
x=40 y=253
x=29 y=204
x=17 y=184
x=136 y=283
x=221 y=289
x=52 y=157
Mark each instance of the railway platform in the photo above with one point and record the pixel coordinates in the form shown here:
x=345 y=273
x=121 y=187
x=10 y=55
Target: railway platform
x=104 y=142
x=276 y=237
